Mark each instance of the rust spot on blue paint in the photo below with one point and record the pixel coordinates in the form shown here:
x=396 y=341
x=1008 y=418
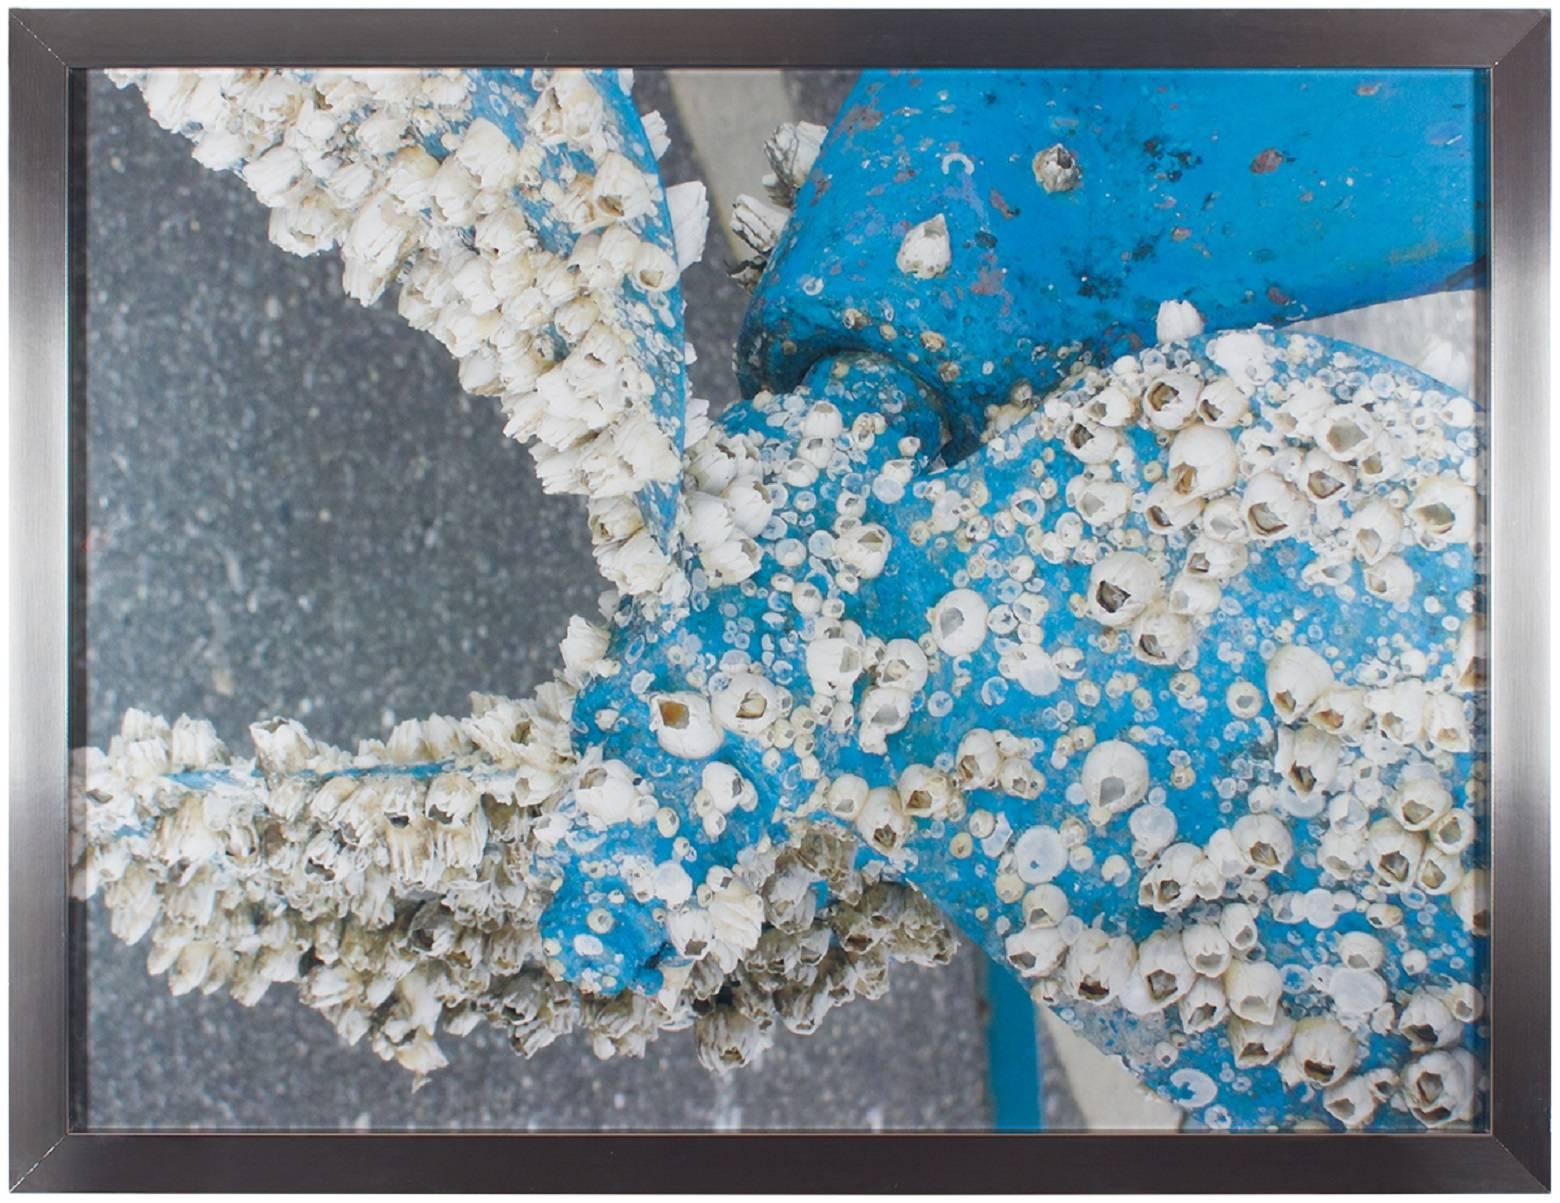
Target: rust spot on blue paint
x=1266 y=162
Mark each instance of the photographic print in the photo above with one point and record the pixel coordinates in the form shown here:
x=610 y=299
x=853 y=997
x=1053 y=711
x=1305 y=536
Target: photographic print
x=990 y=634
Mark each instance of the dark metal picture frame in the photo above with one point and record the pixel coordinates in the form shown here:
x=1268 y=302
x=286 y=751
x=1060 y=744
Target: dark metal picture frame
x=50 y=50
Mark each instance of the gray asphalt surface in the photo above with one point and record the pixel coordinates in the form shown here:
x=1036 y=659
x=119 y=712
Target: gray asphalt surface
x=293 y=509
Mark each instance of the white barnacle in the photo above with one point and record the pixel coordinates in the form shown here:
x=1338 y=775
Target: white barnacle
x=1203 y=461
x=1360 y=950
x=792 y=150
x=1441 y=1088
x=1452 y=832
x=1307 y=759
x=1394 y=853
x=1101 y=502
x=750 y=504
x=654 y=270
x=924 y=252
x=1428 y=1022
x=1223 y=522
x=683 y=725
x=1111 y=406
x=1347 y=433
x=758 y=223
x=1255 y=1043
x=1265 y=843
x=926 y=792
x=1114 y=779
x=1470 y=664
x=193 y=744
x=1325 y=478
x=278 y=177
x=1419 y=801
x=977 y=760
x=863 y=547
x=1390 y=579
x=1045 y=906
x=1039 y=855
x=1036 y=951
x=1214 y=560
x=1471 y=900
x=1465 y=1002
x=1168 y=887
x=1374 y=530
x=1192 y=596
x=1238 y=924
x=1098 y=966
x=1153 y=829
x=845 y=797
x=621 y=191
x=1121 y=586
x=1160 y=636
x=1177 y=321
x=1321 y=1052
x=1399 y=710
x=833 y=664
x=1164 y=968
x=748 y=705
x=1296 y=677
x=1341 y=711
x=1253 y=989
x=1032 y=668
x=958 y=622
x=1206 y=950
x=1446 y=723
x=486 y=152
x=884 y=711
x=1351 y=1102
x=1091 y=444
x=723 y=789
x=1056 y=169
x=1203 y=1006
x=1167 y=510
x=1222 y=403
x=882 y=821
x=1444 y=511
x=1171 y=400
x=282 y=746
x=903 y=665
x=607 y=792
x=1273 y=508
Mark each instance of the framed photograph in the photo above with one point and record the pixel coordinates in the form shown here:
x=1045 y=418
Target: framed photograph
x=1013 y=658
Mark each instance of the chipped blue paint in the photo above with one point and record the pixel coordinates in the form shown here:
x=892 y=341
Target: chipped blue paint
x=1258 y=196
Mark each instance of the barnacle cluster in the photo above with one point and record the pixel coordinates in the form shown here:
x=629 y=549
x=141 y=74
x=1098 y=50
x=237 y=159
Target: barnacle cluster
x=1102 y=705
x=523 y=221
x=398 y=888
x=759 y=221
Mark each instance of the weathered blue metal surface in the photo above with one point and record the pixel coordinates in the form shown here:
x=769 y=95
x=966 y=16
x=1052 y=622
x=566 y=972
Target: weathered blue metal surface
x=1258 y=196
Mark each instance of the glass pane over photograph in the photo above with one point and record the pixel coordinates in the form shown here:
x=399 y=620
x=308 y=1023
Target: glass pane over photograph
x=988 y=634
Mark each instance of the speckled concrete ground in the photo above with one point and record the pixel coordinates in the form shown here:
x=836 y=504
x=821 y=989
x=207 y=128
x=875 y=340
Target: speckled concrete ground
x=294 y=510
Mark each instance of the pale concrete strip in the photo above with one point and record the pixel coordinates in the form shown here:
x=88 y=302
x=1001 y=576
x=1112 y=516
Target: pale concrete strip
x=1441 y=333
x=1106 y=1094
x=728 y=115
